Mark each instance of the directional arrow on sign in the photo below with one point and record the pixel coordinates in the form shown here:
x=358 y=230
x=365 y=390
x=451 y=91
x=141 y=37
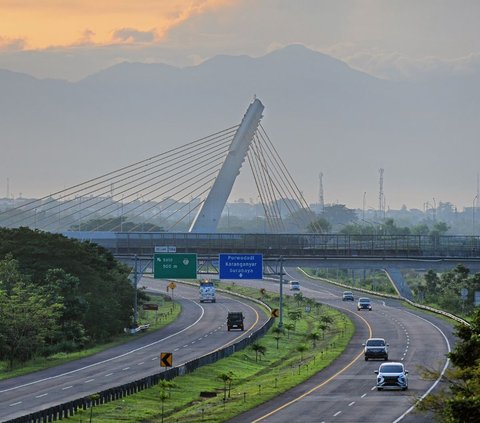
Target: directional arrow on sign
x=166 y=359
x=275 y=312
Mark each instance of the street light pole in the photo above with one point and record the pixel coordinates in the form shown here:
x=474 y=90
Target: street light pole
x=363 y=210
x=280 y=304
x=473 y=215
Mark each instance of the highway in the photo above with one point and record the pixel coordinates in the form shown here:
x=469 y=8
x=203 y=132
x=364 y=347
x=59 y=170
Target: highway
x=200 y=329
x=345 y=391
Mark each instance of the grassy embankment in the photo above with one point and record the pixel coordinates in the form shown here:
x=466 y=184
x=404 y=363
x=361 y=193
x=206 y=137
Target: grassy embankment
x=245 y=379
x=167 y=313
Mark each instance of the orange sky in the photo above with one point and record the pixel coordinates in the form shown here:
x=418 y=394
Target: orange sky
x=46 y=23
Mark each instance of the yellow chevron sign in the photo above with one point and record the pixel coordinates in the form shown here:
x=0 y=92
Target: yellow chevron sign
x=166 y=359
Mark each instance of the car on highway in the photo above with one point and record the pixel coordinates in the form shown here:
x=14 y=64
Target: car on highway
x=294 y=286
x=235 y=320
x=375 y=348
x=392 y=376
x=347 y=296
x=364 y=303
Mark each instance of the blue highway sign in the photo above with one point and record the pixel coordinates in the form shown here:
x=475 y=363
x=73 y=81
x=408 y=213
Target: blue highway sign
x=241 y=266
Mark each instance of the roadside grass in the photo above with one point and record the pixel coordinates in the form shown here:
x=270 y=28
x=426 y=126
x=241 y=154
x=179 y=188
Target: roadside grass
x=168 y=311
x=376 y=281
x=222 y=390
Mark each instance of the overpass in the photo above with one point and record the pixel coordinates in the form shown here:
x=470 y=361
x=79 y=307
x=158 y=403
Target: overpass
x=386 y=252
x=339 y=246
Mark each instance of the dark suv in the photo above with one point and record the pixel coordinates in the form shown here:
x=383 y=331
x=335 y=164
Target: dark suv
x=376 y=348
x=235 y=320
x=364 y=304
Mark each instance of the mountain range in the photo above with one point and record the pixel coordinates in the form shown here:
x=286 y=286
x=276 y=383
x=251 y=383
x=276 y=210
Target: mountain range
x=321 y=114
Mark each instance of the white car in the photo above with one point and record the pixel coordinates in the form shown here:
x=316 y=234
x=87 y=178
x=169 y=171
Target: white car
x=392 y=376
x=294 y=286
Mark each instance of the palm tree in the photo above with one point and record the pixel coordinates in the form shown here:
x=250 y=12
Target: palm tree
x=277 y=332
x=259 y=349
x=314 y=337
x=323 y=327
x=227 y=381
x=326 y=319
x=301 y=349
x=298 y=298
x=289 y=326
x=295 y=315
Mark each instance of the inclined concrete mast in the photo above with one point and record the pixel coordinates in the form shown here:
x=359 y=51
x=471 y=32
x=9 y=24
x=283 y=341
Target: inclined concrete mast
x=208 y=216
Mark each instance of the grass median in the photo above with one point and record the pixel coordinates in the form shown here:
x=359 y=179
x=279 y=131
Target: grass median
x=314 y=335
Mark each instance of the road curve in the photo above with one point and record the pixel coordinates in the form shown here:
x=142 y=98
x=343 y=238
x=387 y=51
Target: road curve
x=345 y=392
x=200 y=329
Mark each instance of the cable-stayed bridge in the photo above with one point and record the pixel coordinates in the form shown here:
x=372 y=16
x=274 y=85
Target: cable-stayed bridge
x=176 y=198
x=184 y=189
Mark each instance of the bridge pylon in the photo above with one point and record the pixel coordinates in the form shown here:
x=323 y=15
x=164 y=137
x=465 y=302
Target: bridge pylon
x=208 y=216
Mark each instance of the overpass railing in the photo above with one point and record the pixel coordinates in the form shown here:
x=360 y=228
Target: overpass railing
x=329 y=245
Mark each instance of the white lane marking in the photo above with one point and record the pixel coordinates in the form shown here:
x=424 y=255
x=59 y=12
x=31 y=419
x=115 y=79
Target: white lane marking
x=110 y=374
x=337 y=413
x=111 y=358
x=67 y=387
x=176 y=349
x=155 y=358
x=15 y=403
x=89 y=380
x=373 y=388
x=363 y=396
x=185 y=346
x=139 y=364
x=42 y=395
x=125 y=368
x=440 y=376
x=353 y=402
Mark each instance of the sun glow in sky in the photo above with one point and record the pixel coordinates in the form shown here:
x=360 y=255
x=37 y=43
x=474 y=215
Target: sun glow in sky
x=41 y=24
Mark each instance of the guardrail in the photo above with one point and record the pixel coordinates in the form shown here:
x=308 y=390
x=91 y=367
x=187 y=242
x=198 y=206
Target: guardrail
x=70 y=408
x=397 y=297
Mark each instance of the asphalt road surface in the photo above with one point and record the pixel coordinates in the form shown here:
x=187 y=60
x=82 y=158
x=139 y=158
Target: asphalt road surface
x=200 y=329
x=345 y=391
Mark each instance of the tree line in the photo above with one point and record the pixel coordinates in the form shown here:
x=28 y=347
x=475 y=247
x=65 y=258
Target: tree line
x=58 y=295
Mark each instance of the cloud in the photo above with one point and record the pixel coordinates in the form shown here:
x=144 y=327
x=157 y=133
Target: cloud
x=131 y=35
x=53 y=23
x=400 y=67
x=9 y=44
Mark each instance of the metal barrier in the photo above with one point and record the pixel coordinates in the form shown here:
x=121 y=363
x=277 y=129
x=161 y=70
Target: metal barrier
x=68 y=409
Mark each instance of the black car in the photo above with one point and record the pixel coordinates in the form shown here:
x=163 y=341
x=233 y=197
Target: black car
x=364 y=304
x=376 y=348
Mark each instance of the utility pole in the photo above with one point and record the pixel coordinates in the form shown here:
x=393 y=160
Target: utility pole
x=280 y=303
x=320 y=194
x=381 y=202
x=135 y=300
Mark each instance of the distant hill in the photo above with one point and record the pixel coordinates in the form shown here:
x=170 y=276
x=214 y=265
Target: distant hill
x=321 y=114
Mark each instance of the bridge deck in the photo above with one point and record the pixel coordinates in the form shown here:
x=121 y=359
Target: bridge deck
x=298 y=245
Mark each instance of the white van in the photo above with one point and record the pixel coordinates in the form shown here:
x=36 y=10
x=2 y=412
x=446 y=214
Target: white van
x=294 y=286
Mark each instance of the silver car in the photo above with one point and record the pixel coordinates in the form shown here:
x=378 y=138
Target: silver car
x=392 y=376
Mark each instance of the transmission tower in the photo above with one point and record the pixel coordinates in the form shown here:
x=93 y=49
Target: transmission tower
x=381 y=202
x=320 y=193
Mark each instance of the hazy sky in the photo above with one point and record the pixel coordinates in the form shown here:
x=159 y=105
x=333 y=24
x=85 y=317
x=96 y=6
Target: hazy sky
x=388 y=38
x=394 y=39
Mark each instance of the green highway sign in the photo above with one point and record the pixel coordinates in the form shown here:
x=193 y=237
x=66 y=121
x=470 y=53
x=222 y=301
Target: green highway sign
x=175 y=265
